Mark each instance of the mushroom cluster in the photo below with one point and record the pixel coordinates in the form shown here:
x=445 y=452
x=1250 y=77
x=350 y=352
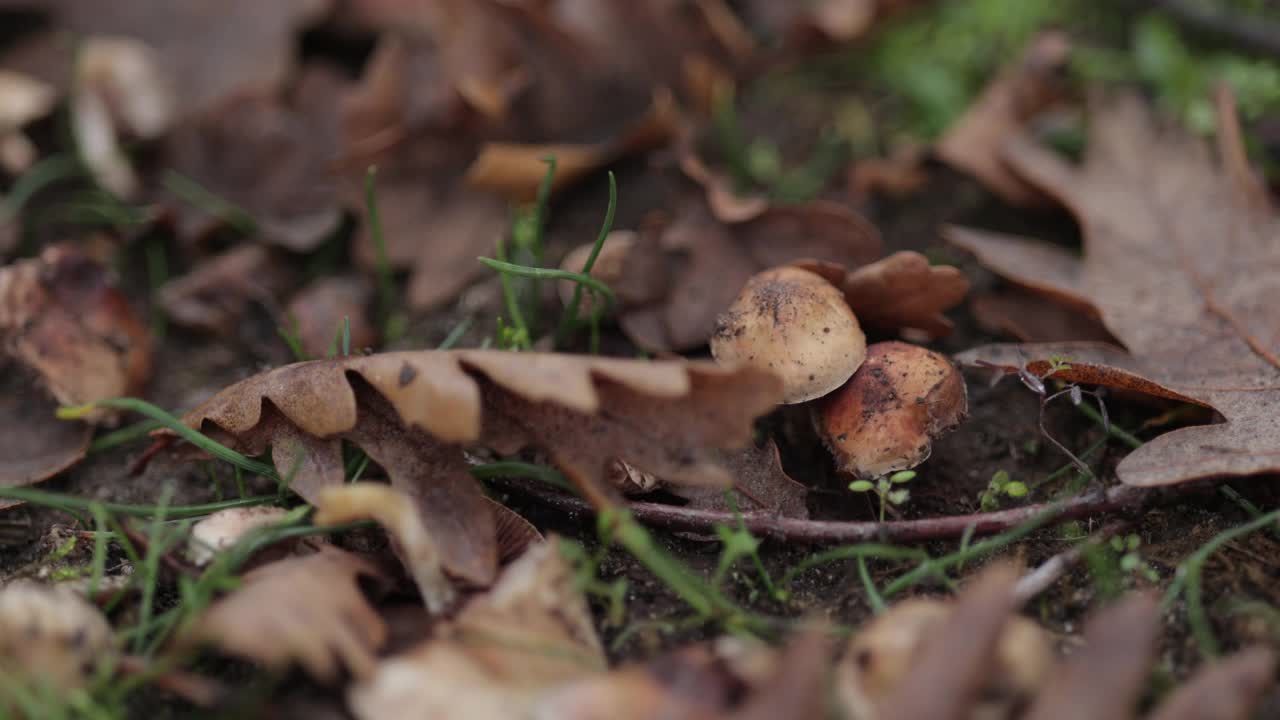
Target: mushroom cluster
x=877 y=408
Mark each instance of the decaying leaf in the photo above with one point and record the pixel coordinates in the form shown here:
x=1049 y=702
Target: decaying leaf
x=412 y=412
x=62 y=318
x=307 y=610
x=507 y=647
x=975 y=142
x=1181 y=268
x=34 y=444
x=52 y=635
x=1030 y=318
x=263 y=158
x=216 y=294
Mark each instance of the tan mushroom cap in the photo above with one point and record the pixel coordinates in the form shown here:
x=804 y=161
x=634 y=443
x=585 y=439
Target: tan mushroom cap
x=52 y=634
x=797 y=325
x=883 y=652
x=886 y=417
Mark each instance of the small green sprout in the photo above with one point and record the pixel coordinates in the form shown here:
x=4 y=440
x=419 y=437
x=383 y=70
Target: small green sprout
x=1001 y=485
x=885 y=490
x=1131 y=561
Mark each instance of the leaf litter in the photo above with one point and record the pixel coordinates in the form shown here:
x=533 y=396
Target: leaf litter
x=411 y=584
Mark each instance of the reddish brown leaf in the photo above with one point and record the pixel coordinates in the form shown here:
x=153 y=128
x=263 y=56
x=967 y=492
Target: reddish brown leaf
x=974 y=143
x=1226 y=690
x=217 y=293
x=759 y=485
x=1031 y=318
x=34 y=444
x=1194 y=314
x=325 y=307
x=307 y=610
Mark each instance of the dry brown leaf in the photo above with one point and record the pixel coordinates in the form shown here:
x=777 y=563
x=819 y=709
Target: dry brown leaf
x=975 y=142
x=412 y=411
x=307 y=610
x=1227 y=690
x=901 y=291
x=217 y=293
x=1031 y=318
x=1180 y=268
x=265 y=158
x=531 y=632
x=62 y=318
x=324 y=308
x=211 y=48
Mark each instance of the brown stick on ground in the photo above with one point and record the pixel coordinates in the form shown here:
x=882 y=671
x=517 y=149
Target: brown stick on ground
x=1122 y=498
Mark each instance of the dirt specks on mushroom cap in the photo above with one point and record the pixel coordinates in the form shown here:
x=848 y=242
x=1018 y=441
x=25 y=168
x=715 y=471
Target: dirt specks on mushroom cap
x=886 y=417
x=795 y=324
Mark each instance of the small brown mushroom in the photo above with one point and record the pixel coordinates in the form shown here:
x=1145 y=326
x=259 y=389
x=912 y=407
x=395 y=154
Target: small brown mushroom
x=797 y=325
x=886 y=417
x=879 y=657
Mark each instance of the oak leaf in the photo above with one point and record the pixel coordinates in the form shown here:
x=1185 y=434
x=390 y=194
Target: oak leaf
x=1180 y=265
x=308 y=610
x=413 y=412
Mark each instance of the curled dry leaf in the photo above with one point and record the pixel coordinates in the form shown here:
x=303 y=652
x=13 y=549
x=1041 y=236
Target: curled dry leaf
x=413 y=411
x=63 y=319
x=52 y=635
x=1193 y=314
x=630 y=265
x=322 y=309
x=215 y=296
x=759 y=485
x=400 y=516
x=309 y=610
x=530 y=632
x=976 y=141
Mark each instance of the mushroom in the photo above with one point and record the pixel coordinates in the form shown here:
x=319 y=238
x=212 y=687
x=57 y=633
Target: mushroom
x=886 y=417
x=52 y=635
x=881 y=655
x=797 y=324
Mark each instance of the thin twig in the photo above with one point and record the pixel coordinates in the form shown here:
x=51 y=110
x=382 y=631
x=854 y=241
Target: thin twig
x=1040 y=579
x=1121 y=498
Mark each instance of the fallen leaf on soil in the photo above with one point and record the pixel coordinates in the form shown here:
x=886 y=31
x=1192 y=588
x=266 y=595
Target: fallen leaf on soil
x=1030 y=318
x=832 y=21
x=902 y=173
x=726 y=205
x=901 y=291
x=1227 y=690
x=530 y=632
x=1194 y=314
x=22 y=100
x=323 y=308
x=411 y=411
x=759 y=485
x=267 y=160
x=211 y=48
x=34 y=443
x=708 y=262
x=63 y=319
x=975 y=142
x=217 y=293
x=516 y=170
x=308 y=610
